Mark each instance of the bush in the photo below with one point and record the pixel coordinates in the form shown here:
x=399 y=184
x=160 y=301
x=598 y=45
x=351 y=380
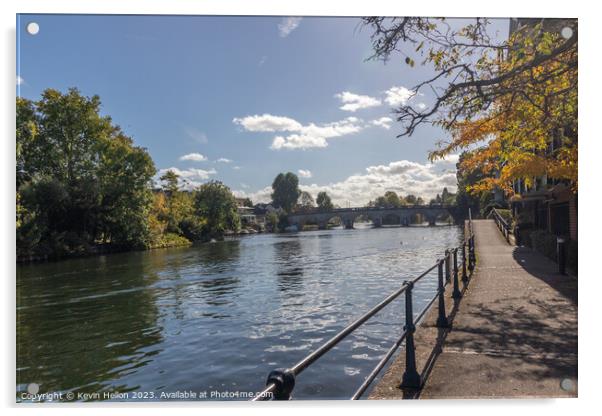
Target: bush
x=170 y=240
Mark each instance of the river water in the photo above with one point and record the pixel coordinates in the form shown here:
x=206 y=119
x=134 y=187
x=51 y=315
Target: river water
x=218 y=317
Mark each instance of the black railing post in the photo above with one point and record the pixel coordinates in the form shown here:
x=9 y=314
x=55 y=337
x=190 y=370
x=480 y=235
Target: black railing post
x=561 y=254
x=447 y=266
x=456 y=293
x=464 y=274
x=284 y=380
x=442 y=318
x=471 y=254
x=410 y=377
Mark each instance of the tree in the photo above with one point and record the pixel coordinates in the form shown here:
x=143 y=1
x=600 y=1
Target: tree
x=285 y=191
x=519 y=94
x=467 y=179
x=216 y=205
x=411 y=199
x=380 y=202
x=306 y=201
x=170 y=181
x=248 y=203
x=392 y=200
x=419 y=201
x=271 y=219
x=80 y=179
x=324 y=202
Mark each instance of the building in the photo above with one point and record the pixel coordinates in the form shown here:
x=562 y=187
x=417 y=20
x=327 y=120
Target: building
x=246 y=213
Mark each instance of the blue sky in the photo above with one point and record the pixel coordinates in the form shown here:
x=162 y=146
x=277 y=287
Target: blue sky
x=240 y=99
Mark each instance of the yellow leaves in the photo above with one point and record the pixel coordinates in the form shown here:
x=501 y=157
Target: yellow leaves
x=513 y=137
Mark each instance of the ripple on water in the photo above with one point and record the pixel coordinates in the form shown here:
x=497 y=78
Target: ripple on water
x=223 y=313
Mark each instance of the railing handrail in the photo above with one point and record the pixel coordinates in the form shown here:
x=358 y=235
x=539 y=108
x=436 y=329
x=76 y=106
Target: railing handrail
x=502 y=224
x=500 y=218
x=280 y=377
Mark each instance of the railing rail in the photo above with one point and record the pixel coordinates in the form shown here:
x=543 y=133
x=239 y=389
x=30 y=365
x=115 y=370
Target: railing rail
x=281 y=382
x=502 y=224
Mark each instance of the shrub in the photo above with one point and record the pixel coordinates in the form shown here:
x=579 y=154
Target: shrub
x=171 y=240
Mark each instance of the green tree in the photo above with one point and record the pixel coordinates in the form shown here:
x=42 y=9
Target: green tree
x=170 y=181
x=216 y=205
x=285 y=191
x=392 y=200
x=324 y=202
x=306 y=201
x=80 y=179
x=271 y=219
x=411 y=199
x=380 y=202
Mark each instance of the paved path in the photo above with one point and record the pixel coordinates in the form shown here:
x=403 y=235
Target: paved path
x=514 y=332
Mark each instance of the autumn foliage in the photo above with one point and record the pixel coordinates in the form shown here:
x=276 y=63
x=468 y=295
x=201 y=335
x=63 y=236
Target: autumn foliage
x=530 y=130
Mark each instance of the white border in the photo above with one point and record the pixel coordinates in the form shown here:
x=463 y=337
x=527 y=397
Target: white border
x=590 y=290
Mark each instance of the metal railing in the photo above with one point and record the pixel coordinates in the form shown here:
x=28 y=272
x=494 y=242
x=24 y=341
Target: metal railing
x=281 y=382
x=501 y=223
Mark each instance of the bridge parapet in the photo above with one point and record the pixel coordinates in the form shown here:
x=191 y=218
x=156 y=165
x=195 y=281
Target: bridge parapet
x=378 y=215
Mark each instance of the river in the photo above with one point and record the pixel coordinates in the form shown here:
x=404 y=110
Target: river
x=218 y=317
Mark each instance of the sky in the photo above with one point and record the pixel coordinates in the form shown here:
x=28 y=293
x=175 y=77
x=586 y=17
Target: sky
x=241 y=99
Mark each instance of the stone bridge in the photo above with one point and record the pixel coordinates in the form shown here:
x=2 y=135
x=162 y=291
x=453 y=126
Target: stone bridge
x=401 y=216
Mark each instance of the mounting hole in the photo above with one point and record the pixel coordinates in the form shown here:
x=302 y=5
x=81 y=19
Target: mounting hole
x=566 y=32
x=33 y=388
x=33 y=28
x=567 y=384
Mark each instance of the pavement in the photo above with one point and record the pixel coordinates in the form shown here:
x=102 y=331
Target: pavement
x=513 y=333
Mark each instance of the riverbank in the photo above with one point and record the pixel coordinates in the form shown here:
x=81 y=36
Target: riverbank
x=513 y=333
x=166 y=241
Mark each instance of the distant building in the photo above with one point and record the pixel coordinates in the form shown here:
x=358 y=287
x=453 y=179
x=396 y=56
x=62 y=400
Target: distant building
x=246 y=214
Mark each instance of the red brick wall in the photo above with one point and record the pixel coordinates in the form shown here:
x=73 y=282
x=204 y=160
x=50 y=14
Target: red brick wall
x=573 y=217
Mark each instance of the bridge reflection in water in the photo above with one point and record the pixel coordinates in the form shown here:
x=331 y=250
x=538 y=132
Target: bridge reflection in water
x=377 y=215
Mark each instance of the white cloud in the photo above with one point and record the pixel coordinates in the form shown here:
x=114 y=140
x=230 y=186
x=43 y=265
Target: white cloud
x=287 y=25
x=223 y=160
x=421 y=106
x=189 y=178
x=20 y=80
x=384 y=122
x=402 y=176
x=267 y=122
x=304 y=136
x=304 y=173
x=194 y=157
x=298 y=141
x=353 y=102
x=262 y=60
x=398 y=96
x=236 y=167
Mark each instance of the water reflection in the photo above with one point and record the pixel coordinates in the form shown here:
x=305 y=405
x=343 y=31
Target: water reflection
x=289 y=267
x=82 y=332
